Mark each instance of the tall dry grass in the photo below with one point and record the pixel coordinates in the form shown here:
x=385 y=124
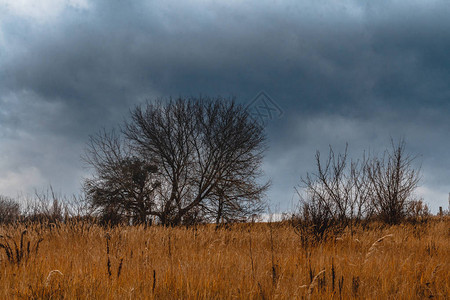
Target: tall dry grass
x=247 y=261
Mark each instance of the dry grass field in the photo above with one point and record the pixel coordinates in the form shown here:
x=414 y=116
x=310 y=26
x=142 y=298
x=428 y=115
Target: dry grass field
x=246 y=261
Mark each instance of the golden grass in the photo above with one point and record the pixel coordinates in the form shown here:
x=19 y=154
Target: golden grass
x=242 y=262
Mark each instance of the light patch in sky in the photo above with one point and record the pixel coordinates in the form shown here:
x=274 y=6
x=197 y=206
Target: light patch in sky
x=42 y=10
x=12 y=182
x=432 y=196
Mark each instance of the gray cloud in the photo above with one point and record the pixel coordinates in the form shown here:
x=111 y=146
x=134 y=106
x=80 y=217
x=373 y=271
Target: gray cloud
x=347 y=71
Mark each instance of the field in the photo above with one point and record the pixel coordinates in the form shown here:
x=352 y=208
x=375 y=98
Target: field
x=244 y=261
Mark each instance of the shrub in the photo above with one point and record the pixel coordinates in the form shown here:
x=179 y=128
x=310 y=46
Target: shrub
x=9 y=210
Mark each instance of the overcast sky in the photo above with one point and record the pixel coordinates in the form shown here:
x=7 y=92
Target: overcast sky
x=340 y=71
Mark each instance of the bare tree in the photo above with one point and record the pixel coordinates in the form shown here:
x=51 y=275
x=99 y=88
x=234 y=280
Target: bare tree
x=202 y=147
x=9 y=210
x=123 y=184
x=393 y=179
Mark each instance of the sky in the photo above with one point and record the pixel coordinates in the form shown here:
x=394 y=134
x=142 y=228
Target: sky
x=335 y=72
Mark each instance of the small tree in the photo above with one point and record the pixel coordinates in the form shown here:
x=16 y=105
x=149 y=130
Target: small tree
x=123 y=185
x=393 y=179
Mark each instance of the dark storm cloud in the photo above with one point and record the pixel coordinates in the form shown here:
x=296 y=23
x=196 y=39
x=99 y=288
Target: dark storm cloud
x=341 y=72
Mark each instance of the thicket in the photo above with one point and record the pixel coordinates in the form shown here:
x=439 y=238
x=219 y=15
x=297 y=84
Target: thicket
x=344 y=192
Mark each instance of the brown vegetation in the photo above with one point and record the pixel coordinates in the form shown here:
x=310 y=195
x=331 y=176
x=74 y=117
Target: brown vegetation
x=243 y=261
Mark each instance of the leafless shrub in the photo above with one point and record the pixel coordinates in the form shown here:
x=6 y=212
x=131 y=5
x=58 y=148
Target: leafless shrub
x=9 y=210
x=343 y=192
x=393 y=180
x=417 y=210
x=45 y=207
x=334 y=197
